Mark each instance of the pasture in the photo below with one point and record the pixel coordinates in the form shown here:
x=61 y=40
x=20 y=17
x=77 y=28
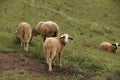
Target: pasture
x=89 y=22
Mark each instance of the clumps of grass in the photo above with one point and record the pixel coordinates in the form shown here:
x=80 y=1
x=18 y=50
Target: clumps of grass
x=92 y=65
x=21 y=72
x=36 y=53
x=8 y=43
x=85 y=62
x=107 y=30
x=76 y=71
x=16 y=39
x=113 y=76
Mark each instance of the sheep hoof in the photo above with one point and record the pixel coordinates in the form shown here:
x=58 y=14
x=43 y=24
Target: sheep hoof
x=21 y=45
x=50 y=70
x=26 y=49
x=60 y=65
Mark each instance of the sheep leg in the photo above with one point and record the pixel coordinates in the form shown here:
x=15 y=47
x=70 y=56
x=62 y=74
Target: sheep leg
x=54 y=61
x=60 y=61
x=21 y=44
x=47 y=57
x=50 y=64
x=47 y=54
x=22 y=41
x=26 y=44
x=52 y=56
x=43 y=36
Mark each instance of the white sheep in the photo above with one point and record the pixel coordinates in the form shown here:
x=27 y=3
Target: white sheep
x=24 y=32
x=46 y=29
x=53 y=46
x=109 y=47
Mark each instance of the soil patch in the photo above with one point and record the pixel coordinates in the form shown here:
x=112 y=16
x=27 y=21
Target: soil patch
x=10 y=63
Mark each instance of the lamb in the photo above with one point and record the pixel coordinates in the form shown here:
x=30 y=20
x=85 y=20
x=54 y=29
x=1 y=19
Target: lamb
x=46 y=29
x=24 y=32
x=54 y=46
x=109 y=47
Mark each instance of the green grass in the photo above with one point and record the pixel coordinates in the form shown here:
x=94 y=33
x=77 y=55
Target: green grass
x=89 y=22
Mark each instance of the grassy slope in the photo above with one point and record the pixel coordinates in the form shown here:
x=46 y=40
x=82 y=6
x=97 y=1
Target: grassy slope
x=89 y=22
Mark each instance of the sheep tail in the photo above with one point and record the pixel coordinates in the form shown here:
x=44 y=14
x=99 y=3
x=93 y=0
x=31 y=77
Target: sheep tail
x=48 y=53
x=58 y=31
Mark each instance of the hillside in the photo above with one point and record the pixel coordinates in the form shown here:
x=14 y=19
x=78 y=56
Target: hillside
x=89 y=22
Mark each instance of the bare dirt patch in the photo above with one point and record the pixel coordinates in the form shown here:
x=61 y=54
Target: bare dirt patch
x=10 y=63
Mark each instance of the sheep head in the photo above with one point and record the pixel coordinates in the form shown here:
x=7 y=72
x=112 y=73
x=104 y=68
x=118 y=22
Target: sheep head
x=116 y=45
x=65 y=37
x=34 y=33
x=40 y=24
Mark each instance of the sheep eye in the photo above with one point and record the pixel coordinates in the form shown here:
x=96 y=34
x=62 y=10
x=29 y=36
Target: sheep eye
x=63 y=37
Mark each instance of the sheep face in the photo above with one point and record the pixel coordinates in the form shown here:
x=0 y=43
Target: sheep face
x=65 y=38
x=34 y=33
x=116 y=45
x=38 y=27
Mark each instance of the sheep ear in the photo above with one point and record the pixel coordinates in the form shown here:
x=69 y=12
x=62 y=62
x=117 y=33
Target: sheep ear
x=70 y=38
x=114 y=44
x=62 y=37
x=118 y=44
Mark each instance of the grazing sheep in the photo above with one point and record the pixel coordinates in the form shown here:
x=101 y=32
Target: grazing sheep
x=109 y=47
x=53 y=46
x=46 y=29
x=24 y=32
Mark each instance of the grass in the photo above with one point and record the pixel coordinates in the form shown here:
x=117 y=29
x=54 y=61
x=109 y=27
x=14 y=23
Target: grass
x=89 y=22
